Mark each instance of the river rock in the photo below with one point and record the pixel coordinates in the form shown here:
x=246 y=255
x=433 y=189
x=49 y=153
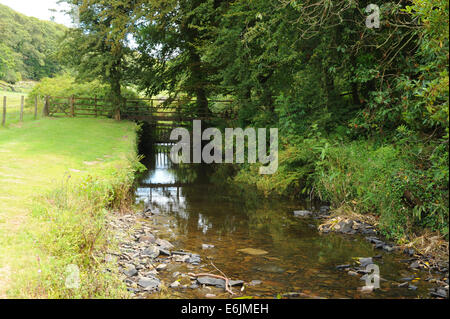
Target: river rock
x=367 y=289
x=181 y=258
x=233 y=283
x=164 y=244
x=147 y=239
x=365 y=261
x=175 y=284
x=345 y=226
x=302 y=213
x=161 y=267
x=194 y=259
x=217 y=282
x=253 y=251
x=130 y=271
x=151 y=251
x=211 y=281
x=207 y=246
x=149 y=283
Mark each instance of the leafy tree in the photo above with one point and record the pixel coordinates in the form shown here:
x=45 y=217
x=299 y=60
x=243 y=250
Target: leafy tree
x=99 y=46
x=170 y=37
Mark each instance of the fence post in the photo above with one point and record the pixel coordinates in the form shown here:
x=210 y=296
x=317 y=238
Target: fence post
x=45 y=111
x=95 y=106
x=72 y=105
x=22 y=98
x=35 y=106
x=4 y=111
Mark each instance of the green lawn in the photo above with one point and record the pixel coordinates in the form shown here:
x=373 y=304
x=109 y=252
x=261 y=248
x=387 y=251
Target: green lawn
x=35 y=158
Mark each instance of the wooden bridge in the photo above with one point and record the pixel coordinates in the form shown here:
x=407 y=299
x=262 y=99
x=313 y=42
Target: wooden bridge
x=163 y=114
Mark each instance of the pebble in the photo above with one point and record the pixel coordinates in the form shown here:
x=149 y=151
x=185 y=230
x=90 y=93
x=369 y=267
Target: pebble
x=161 y=267
x=302 y=213
x=164 y=244
x=367 y=289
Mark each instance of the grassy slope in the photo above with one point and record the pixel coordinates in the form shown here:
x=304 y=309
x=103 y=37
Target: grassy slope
x=36 y=157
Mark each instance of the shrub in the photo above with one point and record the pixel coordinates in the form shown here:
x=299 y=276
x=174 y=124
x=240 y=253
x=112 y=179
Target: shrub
x=65 y=86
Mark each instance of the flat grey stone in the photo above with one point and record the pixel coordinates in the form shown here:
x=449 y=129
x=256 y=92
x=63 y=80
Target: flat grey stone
x=366 y=261
x=130 y=271
x=149 y=283
x=164 y=244
x=151 y=251
x=302 y=213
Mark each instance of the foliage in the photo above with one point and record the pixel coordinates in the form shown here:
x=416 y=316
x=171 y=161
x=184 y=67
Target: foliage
x=66 y=86
x=27 y=46
x=98 y=48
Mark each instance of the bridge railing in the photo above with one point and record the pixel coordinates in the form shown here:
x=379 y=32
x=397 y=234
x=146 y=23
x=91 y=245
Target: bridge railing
x=161 y=109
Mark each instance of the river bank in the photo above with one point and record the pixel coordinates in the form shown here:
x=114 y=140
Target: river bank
x=59 y=178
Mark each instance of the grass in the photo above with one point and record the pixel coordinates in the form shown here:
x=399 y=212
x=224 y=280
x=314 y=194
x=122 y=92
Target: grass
x=58 y=178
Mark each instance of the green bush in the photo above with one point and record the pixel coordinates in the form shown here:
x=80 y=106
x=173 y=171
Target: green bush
x=66 y=86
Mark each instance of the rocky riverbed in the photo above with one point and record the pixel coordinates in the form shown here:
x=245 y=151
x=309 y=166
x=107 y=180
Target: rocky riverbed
x=151 y=265
x=438 y=272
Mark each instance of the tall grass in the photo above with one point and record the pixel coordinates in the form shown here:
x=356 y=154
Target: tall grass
x=59 y=180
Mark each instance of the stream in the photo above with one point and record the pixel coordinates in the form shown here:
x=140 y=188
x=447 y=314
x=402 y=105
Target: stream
x=194 y=206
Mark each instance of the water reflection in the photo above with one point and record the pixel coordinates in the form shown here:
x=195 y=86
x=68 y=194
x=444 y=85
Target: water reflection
x=231 y=219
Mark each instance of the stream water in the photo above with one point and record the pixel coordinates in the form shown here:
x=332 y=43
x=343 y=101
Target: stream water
x=197 y=206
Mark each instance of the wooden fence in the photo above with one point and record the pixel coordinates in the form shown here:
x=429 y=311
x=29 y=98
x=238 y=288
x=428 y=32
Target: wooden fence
x=21 y=110
x=160 y=111
x=148 y=109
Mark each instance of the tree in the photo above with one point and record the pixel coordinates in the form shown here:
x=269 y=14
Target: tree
x=99 y=47
x=170 y=37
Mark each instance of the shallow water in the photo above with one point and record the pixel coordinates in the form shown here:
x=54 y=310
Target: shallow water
x=198 y=207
